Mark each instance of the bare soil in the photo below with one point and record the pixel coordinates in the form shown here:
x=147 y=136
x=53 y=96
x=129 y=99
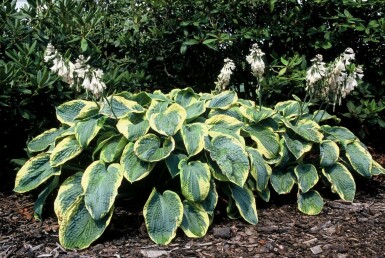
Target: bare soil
x=341 y=230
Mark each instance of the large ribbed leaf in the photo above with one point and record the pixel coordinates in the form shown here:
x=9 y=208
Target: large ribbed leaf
x=67 y=112
x=267 y=140
x=359 y=158
x=233 y=111
x=245 y=202
x=170 y=121
x=306 y=129
x=163 y=214
x=148 y=148
x=100 y=186
x=195 y=221
x=290 y=108
x=231 y=158
x=282 y=182
x=297 y=145
x=156 y=107
x=40 y=201
x=255 y=114
x=34 y=172
x=223 y=100
x=260 y=170
x=133 y=129
x=307 y=176
x=172 y=162
x=134 y=169
x=120 y=107
x=158 y=96
x=112 y=148
x=45 y=139
x=193 y=137
x=78 y=229
x=377 y=169
x=211 y=200
x=338 y=133
x=69 y=191
x=310 y=203
x=329 y=153
x=341 y=180
x=186 y=97
x=322 y=115
x=224 y=124
x=194 y=180
x=85 y=131
x=196 y=109
x=67 y=149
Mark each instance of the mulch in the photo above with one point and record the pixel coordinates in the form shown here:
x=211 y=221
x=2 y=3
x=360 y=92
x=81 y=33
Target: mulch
x=341 y=230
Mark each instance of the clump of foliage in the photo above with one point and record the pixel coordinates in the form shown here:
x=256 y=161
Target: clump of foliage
x=209 y=144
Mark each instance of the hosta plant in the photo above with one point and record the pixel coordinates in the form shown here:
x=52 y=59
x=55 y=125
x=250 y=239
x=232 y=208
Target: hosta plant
x=205 y=144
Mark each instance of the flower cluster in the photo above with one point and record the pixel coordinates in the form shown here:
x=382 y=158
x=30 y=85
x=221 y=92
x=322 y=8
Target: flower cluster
x=223 y=79
x=78 y=74
x=333 y=82
x=256 y=61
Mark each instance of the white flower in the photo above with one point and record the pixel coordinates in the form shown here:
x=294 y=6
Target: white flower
x=59 y=66
x=256 y=62
x=359 y=72
x=223 y=79
x=316 y=73
x=94 y=85
x=49 y=53
x=348 y=55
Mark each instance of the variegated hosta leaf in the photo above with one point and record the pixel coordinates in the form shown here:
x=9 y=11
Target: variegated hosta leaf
x=163 y=214
x=65 y=150
x=285 y=155
x=211 y=200
x=231 y=158
x=45 y=139
x=170 y=121
x=377 y=169
x=156 y=107
x=232 y=210
x=39 y=203
x=193 y=137
x=359 y=158
x=290 y=108
x=133 y=130
x=186 y=97
x=322 y=115
x=297 y=145
x=306 y=129
x=133 y=168
x=216 y=171
x=338 y=133
x=86 y=130
x=246 y=103
x=195 y=110
x=148 y=148
x=69 y=191
x=141 y=98
x=267 y=140
x=34 y=172
x=282 y=181
x=78 y=229
x=233 y=111
x=245 y=202
x=194 y=180
x=112 y=148
x=310 y=203
x=260 y=170
x=307 y=176
x=100 y=186
x=223 y=100
x=255 y=114
x=120 y=107
x=221 y=123
x=172 y=162
x=67 y=112
x=329 y=153
x=195 y=221
x=158 y=96
x=265 y=194
x=341 y=180
x=173 y=93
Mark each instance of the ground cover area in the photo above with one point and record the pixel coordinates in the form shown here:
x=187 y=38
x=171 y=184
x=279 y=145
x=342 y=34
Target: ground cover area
x=341 y=230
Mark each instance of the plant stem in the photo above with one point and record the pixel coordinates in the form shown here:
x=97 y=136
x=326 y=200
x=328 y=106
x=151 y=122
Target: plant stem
x=110 y=104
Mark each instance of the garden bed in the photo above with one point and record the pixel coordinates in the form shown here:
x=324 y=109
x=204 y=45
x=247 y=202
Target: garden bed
x=341 y=230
